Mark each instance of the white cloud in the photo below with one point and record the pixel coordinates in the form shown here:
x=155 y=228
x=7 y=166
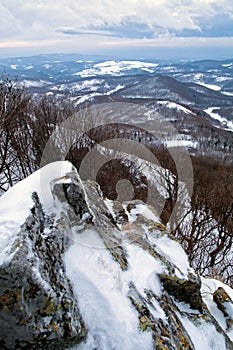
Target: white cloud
x=171 y=42
x=42 y=20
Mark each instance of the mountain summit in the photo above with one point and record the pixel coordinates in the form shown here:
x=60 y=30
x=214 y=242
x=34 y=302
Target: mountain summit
x=79 y=271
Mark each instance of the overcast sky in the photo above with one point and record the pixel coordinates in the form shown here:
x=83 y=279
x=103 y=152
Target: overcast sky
x=136 y=27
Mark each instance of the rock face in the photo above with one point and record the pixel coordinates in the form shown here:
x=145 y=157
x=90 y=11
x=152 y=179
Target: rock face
x=38 y=307
x=41 y=308
x=186 y=290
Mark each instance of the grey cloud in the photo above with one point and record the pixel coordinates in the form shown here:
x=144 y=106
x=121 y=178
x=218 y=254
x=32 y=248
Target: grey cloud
x=73 y=31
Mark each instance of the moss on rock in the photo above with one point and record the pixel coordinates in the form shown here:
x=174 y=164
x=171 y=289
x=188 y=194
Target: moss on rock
x=186 y=290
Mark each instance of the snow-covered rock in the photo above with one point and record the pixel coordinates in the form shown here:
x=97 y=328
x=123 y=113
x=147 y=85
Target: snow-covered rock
x=38 y=306
x=80 y=271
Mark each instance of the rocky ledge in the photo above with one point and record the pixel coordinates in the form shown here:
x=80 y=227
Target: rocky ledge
x=41 y=308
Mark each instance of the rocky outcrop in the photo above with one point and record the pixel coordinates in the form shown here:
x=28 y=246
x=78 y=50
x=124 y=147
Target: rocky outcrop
x=225 y=304
x=39 y=304
x=38 y=307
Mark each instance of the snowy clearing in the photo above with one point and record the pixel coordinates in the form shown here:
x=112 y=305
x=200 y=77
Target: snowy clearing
x=228 y=125
x=211 y=86
x=115 y=68
x=176 y=106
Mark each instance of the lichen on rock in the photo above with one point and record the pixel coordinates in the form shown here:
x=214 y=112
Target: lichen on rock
x=38 y=307
x=186 y=290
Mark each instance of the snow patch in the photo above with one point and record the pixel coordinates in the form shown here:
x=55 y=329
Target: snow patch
x=115 y=68
x=180 y=143
x=227 y=93
x=228 y=125
x=204 y=335
x=175 y=105
x=143 y=270
x=34 y=83
x=102 y=291
x=211 y=86
x=227 y=65
x=16 y=203
x=28 y=67
x=173 y=252
x=209 y=286
x=143 y=210
x=118 y=87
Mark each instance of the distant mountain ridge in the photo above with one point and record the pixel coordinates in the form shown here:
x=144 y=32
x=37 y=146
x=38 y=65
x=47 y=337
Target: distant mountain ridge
x=56 y=67
x=203 y=87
